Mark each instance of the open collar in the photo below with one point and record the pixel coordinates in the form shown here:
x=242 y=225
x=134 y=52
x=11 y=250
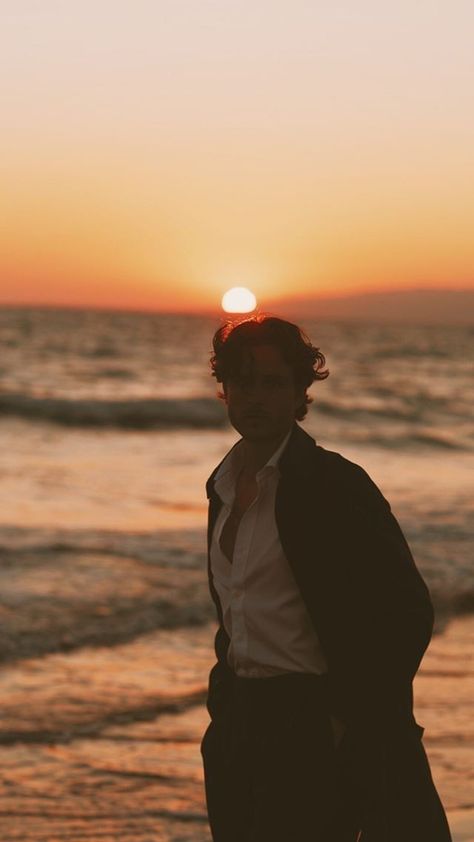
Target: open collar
x=295 y=456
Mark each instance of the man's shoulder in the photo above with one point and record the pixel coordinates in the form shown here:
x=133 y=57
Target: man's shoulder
x=303 y=451
x=340 y=465
x=338 y=472
x=339 y=468
x=354 y=482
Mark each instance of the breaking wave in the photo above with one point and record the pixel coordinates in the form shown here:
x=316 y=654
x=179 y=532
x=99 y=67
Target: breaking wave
x=392 y=428
x=138 y=414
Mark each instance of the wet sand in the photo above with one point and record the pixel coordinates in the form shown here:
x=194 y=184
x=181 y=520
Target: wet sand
x=103 y=743
x=105 y=666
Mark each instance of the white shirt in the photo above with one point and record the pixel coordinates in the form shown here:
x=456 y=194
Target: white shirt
x=264 y=614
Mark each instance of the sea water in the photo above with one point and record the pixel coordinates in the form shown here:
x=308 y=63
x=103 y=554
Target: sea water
x=110 y=425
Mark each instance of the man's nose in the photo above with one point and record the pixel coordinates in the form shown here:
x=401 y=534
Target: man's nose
x=253 y=389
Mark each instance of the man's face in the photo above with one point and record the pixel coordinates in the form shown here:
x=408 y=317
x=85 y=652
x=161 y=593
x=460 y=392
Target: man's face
x=262 y=399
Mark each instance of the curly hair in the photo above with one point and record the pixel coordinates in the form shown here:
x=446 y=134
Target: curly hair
x=306 y=361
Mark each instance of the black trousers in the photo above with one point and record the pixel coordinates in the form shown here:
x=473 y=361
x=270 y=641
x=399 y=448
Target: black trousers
x=271 y=765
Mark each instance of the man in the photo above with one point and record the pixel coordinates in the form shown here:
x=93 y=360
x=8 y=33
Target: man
x=323 y=621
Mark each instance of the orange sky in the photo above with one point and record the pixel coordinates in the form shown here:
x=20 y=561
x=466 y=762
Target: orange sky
x=160 y=151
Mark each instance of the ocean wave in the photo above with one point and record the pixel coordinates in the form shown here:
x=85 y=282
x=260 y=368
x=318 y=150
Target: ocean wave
x=63 y=600
x=175 y=548
x=413 y=440
x=56 y=730
x=161 y=672
x=454 y=601
x=144 y=413
x=384 y=404
x=363 y=424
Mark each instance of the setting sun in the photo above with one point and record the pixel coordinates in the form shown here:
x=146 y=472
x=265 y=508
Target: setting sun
x=238 y=300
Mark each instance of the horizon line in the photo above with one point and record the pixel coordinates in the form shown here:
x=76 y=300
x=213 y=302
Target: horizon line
x=288 y=299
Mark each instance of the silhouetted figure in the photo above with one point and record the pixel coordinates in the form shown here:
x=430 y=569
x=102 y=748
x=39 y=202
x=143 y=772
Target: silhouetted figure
x=323 y=621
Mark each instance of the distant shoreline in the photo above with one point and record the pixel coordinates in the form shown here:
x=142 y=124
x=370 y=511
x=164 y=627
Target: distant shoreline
x=400 y=306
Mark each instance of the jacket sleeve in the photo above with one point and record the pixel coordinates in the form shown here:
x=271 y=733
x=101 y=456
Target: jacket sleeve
x=219 y=676
x=392 y=602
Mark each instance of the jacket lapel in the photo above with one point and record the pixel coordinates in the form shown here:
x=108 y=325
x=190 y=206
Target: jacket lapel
x=302 y=523
x=215 y=505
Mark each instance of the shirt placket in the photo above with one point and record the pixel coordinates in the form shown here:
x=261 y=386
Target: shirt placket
x=240 y=569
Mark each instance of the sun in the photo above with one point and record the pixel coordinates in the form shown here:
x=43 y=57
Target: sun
x=238 y=300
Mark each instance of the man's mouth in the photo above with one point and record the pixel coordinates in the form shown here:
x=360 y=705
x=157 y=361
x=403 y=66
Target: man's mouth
x=256 y=416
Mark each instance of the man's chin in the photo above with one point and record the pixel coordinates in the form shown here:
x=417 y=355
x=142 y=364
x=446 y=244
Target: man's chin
x=256 y=425
x=258 y=429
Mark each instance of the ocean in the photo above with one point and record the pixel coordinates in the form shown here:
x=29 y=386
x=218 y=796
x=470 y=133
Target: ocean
x=110 y=425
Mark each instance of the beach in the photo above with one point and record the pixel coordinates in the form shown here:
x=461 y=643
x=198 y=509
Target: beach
x=101 y=742
x=110 y=426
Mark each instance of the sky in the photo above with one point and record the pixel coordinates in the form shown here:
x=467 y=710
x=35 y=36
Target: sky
x=155 y=153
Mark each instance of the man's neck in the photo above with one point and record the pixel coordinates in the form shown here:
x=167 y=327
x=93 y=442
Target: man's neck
x=257 y=453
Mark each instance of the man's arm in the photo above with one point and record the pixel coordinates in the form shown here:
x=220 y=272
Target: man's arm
x=393 y=605
x=219 y=676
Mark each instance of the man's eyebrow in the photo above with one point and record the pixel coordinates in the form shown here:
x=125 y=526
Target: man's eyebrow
x=275 y=378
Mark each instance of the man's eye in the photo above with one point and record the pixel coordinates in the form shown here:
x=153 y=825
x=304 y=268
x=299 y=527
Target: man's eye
x=265 y=382
x=273 y=381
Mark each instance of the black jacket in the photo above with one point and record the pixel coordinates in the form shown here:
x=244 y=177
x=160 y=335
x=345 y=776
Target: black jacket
x=373 y=615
